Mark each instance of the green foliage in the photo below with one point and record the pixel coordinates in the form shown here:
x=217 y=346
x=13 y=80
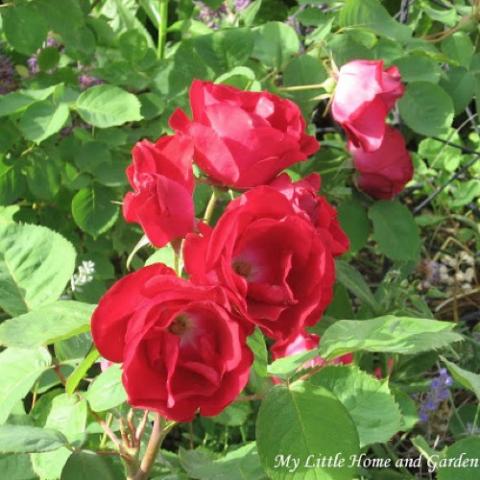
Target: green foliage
x=85 y=466
x=426 y=108
x=395 y=230
x=46 y=325
x=65 y=142
x=25 y=439
x=304 y=432
x=106 y=106
x=19 y=369
x=35 y=265
x=387 y=334
x=368 y=401
x=107 y=390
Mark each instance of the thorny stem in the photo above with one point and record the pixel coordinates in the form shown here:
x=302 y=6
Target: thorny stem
x=159 y=432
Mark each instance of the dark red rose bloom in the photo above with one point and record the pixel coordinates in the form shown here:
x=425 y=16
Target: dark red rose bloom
x=364 y=95
x=243 y=139
x=303 y=342
x=269 y=254
x=384 y=173
x=183 y=346
x=304 y=198
x=162 y=179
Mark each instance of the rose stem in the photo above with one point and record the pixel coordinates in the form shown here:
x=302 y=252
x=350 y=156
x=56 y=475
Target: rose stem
x=159 y=432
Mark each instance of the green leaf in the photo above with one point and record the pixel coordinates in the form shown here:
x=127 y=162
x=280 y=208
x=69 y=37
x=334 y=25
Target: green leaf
x=68 y=414
x=35 y=265
x=460 y=86
x=286 y=367
x=43 y=119
x=25 y=27
x=80 y=371
x=225 y=49
x=387 y=334
x=14 y=102
x=459 y=47
x=12 y=182
x=93 y=210
x=395 y=230
x=107 y=390
x=468 y=192
x=256 y=343
x=353 y=280
x=418 y=68
x=43 y=175
x=466 y=450
x=426 y=108
x=234 y=415
x=165 y=255
x=19 y=370
x=26 y=439
x=48 y=58
x=408 y=409
x=371 y=14
x=16 y=466
x=368 y=401
x=303 y=432
x=86 y=465
x=354 y=220
x=239 y=464
x=275 y=43
x=469 y=380
x=63 y=16
x=305 y=70
x=47 y=324
x=107 y=106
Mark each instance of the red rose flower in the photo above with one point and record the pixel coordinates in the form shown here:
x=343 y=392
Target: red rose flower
x=243 y=139
x=162 y=178
x=304 y=198
x=303 y=342
x=181 y=345
x=364 y=95
x=270 y=255
x=384 y=173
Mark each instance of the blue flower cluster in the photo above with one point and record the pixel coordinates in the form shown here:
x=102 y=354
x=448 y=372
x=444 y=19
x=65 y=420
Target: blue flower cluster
x=439 y=391
x=8 y=81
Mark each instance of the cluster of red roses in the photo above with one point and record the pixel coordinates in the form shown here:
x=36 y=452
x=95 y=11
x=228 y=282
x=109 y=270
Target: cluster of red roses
x=364 y=96
x=268 y=261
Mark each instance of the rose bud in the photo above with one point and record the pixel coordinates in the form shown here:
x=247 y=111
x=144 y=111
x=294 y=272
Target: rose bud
x=273 y=257
x=162 y=179
x=304 y=198
x=384 y=173
x=183 y=346
x=364 y=95
x=243 y=139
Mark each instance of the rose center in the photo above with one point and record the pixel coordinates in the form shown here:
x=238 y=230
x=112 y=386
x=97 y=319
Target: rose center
x=180 y=325
x=244 y=269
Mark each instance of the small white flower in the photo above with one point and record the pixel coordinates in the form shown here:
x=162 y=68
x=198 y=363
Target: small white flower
x=85 y=275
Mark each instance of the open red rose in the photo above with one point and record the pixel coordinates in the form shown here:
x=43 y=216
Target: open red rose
x=384 y=173
x=304 y=342
x=162 y=178
x=364 y=95
x=304 y=198
x=243 y=139
x=270 y=255
x=181 y=345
